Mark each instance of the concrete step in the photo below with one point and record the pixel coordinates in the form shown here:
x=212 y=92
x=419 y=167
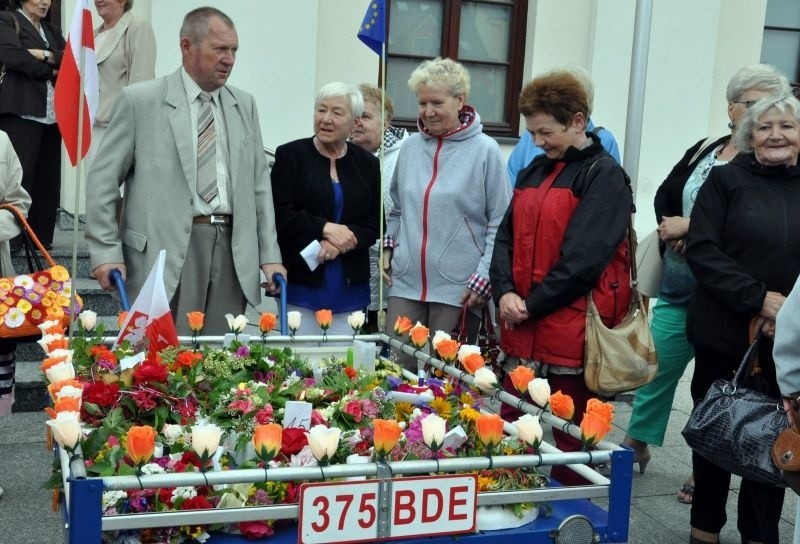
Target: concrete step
x=62 y=256
x=30 y=393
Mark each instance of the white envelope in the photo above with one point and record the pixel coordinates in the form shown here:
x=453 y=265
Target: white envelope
x=309 y=254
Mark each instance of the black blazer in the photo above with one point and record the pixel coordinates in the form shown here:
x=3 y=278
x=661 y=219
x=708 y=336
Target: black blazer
x=303 y=197
x=24 y=90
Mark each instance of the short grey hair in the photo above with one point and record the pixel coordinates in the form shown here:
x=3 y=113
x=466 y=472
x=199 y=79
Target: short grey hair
x=337 y=89
x=196 y=22
x=761 y=77
x=441 y=72
x=744 y=134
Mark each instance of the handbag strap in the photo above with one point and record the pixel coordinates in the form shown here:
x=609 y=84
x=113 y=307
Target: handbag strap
x=30 y=241
x=744 y=366
x=486 y=326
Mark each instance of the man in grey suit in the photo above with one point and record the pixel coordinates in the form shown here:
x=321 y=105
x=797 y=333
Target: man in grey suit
x=188 y=149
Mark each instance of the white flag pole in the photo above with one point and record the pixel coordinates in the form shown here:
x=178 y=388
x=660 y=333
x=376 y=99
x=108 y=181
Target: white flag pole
x=78 y=166
x=382 y=217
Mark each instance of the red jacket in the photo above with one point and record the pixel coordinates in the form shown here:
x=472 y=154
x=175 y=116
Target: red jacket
x=558 y=242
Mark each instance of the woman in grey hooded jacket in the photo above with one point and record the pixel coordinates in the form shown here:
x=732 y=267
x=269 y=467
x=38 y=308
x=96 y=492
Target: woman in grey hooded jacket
x=449 y=194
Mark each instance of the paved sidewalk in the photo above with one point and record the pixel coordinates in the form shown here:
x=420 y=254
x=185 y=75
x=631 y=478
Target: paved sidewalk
x=656 y=515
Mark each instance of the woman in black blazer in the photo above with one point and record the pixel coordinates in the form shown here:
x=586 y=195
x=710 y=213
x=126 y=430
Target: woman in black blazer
x=31 y=51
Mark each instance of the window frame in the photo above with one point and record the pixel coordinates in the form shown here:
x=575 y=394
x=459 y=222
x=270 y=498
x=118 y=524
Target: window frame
x=451 y=24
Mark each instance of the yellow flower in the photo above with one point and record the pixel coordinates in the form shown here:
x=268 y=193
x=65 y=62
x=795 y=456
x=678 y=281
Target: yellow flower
x=24 y=305
x=466 y=398
x=59 y=273
x=485 y=483
x=469 y=414
x=62 y=301
x=442 y=408
x=403 y=411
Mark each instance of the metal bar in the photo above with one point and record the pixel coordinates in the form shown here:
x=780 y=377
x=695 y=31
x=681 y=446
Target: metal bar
x=619 y=495
x=85 y=523
x=282 y=306
x=287 y=474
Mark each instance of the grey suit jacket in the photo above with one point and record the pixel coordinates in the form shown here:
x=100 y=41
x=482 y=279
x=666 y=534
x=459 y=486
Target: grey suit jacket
x=11 y=192
x=786 y=351
x=149 y=146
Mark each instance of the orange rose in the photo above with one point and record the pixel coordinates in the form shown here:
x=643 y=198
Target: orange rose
x=402 y=325
x=419 y=335
x=324 y=319
x=51 y=361
x=448 y=349
x=59 y=343
x=54 y=388
x=67 y=404
x=521 y=377
x=594 y=428
x=602 y=409
x=490 y=429
x=387 y=434
x=196 y=320
x=267 y=322
x=121 y=317
x=267 y=440
x=140 y=443
x=562 y=405
x=473 y=362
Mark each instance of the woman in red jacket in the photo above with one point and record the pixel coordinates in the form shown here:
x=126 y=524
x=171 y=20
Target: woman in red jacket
x=563 y=235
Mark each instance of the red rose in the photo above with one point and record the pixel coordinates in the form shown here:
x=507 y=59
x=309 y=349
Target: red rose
x=165 y=495
x=264 y=415
x=199 y=502
x=186 y=359
x=253 y=530
x=149 y=372
x=101 y=393
x=318 y=419
x=351 y=372
x=293 y=440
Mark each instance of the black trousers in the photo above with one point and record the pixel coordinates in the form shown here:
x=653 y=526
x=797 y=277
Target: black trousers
x=38 y=147
x=759 y=507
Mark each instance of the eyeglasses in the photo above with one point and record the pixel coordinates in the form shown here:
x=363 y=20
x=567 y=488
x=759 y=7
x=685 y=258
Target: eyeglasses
x=746 y=103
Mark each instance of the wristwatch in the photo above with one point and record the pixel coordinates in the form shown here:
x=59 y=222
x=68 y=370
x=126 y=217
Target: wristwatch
x=45 y=55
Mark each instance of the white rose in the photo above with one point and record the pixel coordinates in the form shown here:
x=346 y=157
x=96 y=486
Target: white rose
x=323 y=441
x=484 y=378
x=236 y=324
x=539 y=390
x=293 y=319
x=47 y=339
x=205 y=439
x=172 y=433
x=60 y=372
x=529 y=429
x=433 y=431
x=66 y=427
x=356 y=320
x=88 y=320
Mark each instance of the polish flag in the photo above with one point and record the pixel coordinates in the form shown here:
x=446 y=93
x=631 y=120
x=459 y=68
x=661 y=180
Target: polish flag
x=149 y=321
x=68 y=84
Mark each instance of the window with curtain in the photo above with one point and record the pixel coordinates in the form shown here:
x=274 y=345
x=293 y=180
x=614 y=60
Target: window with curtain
x=781 y=44
x=486 y=36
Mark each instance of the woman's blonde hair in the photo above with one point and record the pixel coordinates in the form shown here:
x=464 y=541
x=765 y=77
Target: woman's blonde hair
x=441 y=72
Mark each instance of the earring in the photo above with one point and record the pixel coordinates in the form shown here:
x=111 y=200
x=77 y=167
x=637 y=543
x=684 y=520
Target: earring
x=731 y=125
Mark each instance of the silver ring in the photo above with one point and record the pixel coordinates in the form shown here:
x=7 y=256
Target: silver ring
x=328 y=256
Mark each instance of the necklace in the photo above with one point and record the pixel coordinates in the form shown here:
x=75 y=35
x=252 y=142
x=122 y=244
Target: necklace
x=325 y=153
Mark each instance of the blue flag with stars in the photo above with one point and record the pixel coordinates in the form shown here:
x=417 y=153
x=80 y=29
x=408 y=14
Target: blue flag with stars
x=373 y=27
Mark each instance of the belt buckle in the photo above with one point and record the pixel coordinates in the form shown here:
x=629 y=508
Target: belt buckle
x=216 y=219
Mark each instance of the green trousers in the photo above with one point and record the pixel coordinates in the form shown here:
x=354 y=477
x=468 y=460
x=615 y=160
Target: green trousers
x=653 y=402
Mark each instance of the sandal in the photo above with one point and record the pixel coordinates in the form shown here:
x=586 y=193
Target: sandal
x=686 y=492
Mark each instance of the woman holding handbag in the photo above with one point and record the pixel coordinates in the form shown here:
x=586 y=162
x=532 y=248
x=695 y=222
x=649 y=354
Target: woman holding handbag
x=550 y=250
x=743 y=249
x=673 y=204
x=11 y=192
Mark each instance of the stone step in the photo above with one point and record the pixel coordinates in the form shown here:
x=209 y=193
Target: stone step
x=62 y=256
x=30 y=393
x=95 y=298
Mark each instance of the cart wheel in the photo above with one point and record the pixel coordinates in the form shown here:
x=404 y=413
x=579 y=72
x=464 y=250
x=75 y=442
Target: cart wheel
x=575 y=529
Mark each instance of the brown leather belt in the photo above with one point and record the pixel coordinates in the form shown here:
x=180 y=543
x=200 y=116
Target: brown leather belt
x=213 y=219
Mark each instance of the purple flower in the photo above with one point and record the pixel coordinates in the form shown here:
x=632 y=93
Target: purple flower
x=242 y=351
x=394 y=381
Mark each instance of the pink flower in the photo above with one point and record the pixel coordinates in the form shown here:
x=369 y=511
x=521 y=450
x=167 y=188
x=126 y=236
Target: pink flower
x=353 y=409
x=264 y=415
x=317 y=418
x=245 y=406
x=253 y=530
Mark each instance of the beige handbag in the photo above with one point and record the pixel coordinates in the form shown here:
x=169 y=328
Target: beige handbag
x=623 y=358
x=649 y=265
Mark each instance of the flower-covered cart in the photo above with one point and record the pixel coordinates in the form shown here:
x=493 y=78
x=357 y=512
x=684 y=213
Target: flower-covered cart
x=414 y=458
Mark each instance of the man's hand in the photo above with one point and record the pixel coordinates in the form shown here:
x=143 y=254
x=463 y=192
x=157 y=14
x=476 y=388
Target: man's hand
x=512 y=309
x=102 y=273
x=269 y=270
x=772 y=303
x=327 y=252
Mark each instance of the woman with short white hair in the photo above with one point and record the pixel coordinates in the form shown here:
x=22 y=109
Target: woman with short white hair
x=327 y=196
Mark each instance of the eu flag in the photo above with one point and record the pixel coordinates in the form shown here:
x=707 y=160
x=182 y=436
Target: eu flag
x=373 y=27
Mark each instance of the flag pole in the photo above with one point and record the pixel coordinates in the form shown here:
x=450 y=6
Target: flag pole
x=78 y=175
x=382 y=218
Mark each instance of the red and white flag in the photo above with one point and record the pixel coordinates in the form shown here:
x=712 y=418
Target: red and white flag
x=149 y=321
x=68 y=85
